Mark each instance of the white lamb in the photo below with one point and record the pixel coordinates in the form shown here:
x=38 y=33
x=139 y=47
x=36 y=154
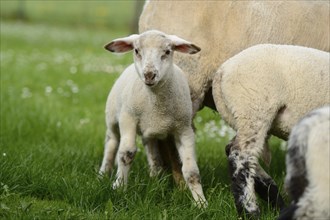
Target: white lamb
x=151 y=98
x=265 y=90
x=307 y=164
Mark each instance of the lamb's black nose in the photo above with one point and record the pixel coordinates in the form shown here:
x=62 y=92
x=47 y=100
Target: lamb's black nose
x=149 y=76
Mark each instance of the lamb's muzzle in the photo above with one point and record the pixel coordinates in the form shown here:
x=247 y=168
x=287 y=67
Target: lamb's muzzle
x=149 y=78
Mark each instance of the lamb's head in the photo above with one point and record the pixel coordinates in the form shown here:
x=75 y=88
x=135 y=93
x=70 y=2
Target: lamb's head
x=153 y=53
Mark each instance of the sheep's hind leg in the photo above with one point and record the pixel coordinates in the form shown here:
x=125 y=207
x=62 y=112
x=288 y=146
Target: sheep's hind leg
x=186 y=148
x=110 y=151
x=243 y=153
x=153 y=155
x=267 y=189
x=242 y=170
x=171 y=160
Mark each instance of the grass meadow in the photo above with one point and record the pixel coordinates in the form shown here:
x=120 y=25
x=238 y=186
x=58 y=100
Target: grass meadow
x=55 y=79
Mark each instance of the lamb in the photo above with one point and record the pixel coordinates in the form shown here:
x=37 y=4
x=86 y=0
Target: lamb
x=307 y=164
x=264 y=90
x=224 y=29
x=151 y=98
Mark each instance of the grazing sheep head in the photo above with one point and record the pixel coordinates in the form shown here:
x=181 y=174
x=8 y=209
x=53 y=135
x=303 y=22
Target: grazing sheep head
x=153 y=53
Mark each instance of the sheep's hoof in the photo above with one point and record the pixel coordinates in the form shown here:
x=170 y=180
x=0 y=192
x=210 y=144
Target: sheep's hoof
x=101 y=175
x=104 y=174
x=202 y=204
x=118 y=184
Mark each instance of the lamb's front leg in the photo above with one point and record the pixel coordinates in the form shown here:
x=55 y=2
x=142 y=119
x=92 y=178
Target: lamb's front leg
x=127 y=149
x=185 y=143
x=110 y=151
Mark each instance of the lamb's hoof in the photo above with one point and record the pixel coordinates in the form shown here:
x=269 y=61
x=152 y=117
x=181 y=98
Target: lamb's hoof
x=202 y=204
x=155 y=172
x=100 y=176
x=117 y=184
x=179 y=180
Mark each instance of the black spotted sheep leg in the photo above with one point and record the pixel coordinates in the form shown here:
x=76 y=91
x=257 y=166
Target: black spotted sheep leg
x=242 y=171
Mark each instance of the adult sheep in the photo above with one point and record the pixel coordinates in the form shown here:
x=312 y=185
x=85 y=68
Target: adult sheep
x=307 y=164
x=224 y=28
x=265 y=90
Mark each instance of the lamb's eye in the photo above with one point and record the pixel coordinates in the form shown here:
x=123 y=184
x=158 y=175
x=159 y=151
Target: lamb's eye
x=136 y=51
x=165 y=55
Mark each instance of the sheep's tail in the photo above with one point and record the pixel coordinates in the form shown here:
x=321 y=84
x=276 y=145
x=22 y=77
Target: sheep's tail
x=220 y=100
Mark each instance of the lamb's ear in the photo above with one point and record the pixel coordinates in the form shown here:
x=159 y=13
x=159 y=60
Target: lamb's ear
x=183 y=46
x=121 y=45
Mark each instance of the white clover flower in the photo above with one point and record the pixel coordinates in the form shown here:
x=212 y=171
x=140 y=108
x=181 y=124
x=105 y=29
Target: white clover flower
x=48 y=90
x=73 y=69
x=26 y=93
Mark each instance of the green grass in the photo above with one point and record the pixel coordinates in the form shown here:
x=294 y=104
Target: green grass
x=54 y=83
x=114 y=14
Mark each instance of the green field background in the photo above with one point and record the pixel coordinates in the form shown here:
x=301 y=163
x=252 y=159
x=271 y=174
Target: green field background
x=55 y=78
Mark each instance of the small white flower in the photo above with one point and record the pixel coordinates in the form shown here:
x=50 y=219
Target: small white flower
x=26 y=93
x=74 y=89
x=48 y=90
x=4 y=154
x=73 y=69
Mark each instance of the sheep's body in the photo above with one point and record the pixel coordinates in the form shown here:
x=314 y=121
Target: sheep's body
x=227 y=27
x=308 y=161
x=265 y=90
x=151 y=98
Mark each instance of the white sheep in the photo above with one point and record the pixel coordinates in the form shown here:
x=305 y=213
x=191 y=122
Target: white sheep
x=307 y=164
x=227 y=27
x=151 y=98
x=265 y=90
x=223 y=29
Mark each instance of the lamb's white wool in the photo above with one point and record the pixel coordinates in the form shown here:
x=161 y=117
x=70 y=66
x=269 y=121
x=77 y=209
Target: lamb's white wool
x=308 y=162
x=151 y=98
x=265 y=90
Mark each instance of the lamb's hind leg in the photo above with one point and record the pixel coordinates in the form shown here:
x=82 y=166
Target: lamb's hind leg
x=171 y=159
x=153 y=155
x=244 y=152
x=267 y=189
x=242 y=168
x=265 y=186
x=186 y=148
